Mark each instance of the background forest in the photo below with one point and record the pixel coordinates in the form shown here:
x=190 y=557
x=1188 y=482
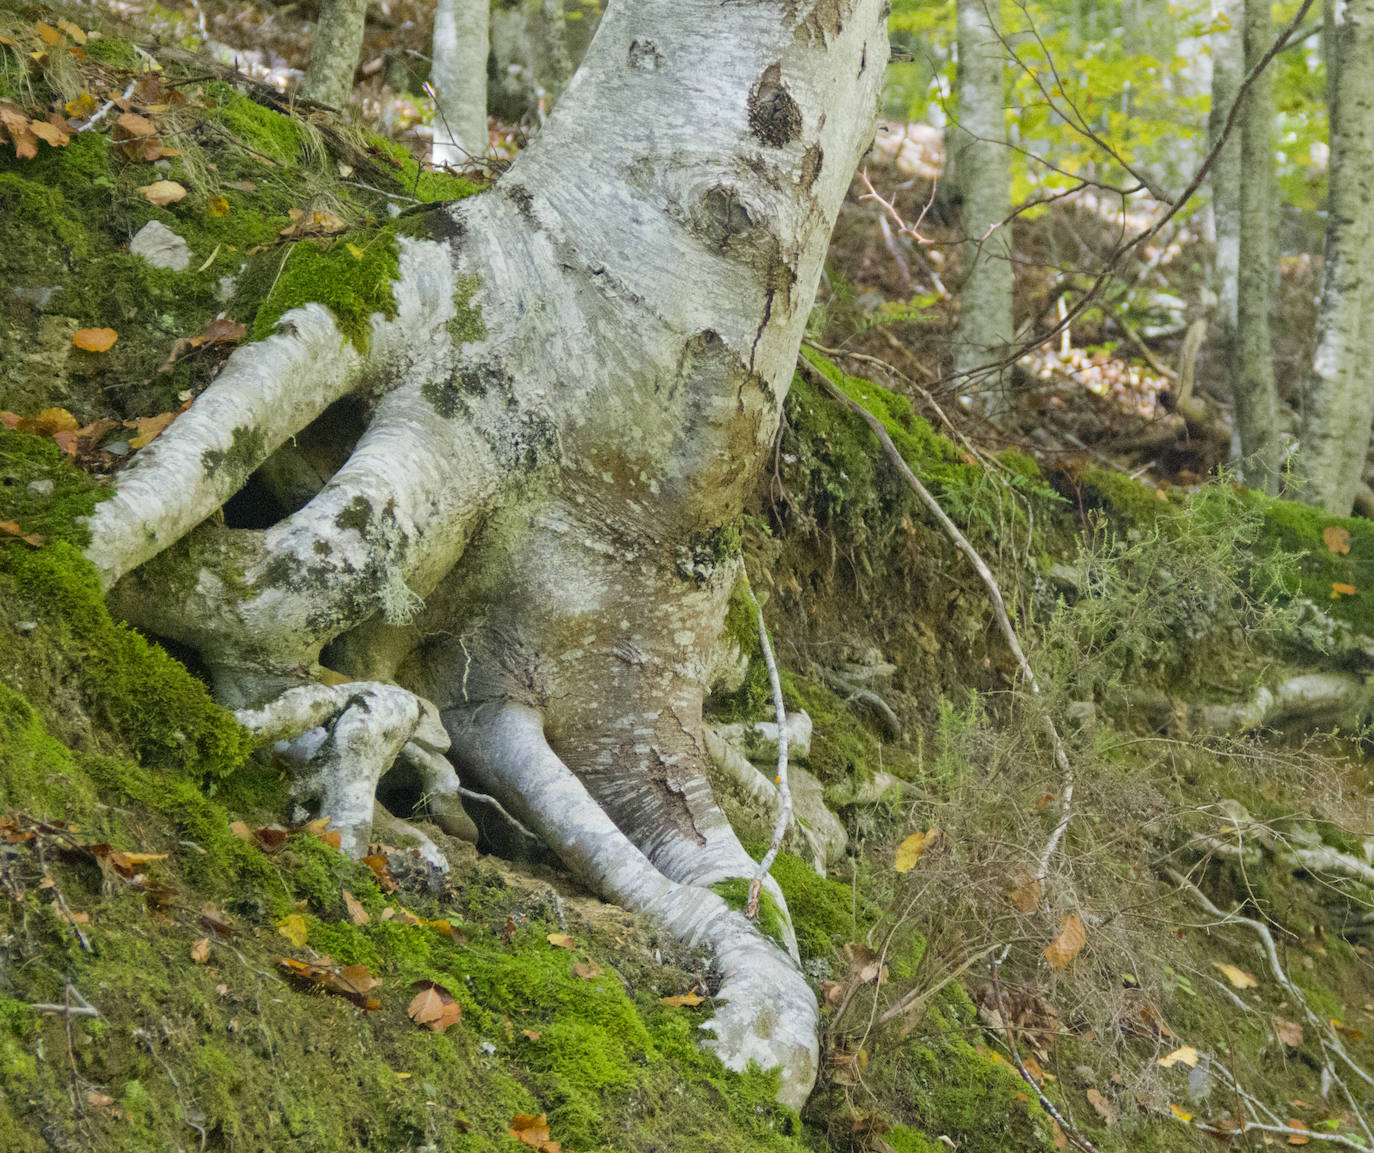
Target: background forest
x=1063 y=547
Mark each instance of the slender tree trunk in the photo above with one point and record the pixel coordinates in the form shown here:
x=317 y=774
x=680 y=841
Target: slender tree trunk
x=1228 y=69
x=1253 y=390
x=1340 y=391
x=982 y=163
x=459 y=76
x=334 y=50
x=582 y=378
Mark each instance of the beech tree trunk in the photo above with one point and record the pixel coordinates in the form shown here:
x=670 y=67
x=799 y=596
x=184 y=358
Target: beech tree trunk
x=1340 y=391
x=582 y=379
x=459 y=76
x=1228 y=70
x=1253 y=390
x=334 y=50
x=982 y=163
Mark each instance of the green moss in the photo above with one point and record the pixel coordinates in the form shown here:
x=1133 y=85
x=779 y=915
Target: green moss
x=467 y=323
x=31 y=465
x=770 y=921
x=906 y=1140
x=429 y=187
x=116 y=52
x=844 y=751
x=823 y=911
x=352 y=278
x=281 y=139
x=1129 y=499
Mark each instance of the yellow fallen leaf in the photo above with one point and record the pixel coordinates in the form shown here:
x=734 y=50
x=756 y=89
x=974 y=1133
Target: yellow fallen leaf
x=72 y=30
x=1065 y=947
x=1341 y=589
x=81 y=107
x=684 y=1000
x=294 y=929
x=95 y=339
x=562 y=941
x=1181 y=1114
x=1237 y=976
x=1186 y=1055
x=163 y=192
x=219 y=206
x=1336 y=539
x=914 y=848
x=47 y=33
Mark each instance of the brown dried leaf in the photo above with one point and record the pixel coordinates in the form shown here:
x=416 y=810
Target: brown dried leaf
x=200 y=951
x=588 y=970
x=11 y=528
x=47 y=33
x=1101 y=1106
x=95 y=339
x=149 y=428
x=131 y=125
x=1027 y=893
x=163 y=192
x=1297 y=1138
x=1336 y=539
x=1065 y=947
x=1288 y=1032
x=356 y=913
x=54 y=135
x=433 y=1007
x=224 y=331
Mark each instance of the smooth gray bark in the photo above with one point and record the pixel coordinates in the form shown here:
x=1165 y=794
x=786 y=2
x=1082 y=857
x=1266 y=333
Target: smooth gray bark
x=982 y=163
x=334 y=50
x=459 y=76
x=1253 y=390
x=583 y=377
x=1228 y=70
x=1339 y=404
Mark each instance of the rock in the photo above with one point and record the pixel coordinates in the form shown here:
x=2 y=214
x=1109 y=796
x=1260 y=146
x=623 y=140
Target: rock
x=820 y=827
x=36 y=295
x=761 y=738
x=41 y=487
x=161 y=247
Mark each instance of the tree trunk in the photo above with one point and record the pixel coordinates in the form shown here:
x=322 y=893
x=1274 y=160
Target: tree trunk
x=1228 y=70
x=460 y=81
x=982 y=162
x=334 y=50
x=583 y=376
x=1340 y=391
x=1253 y=390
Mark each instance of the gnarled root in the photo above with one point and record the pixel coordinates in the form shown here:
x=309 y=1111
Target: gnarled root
x=765 y=1011
x=342 y=739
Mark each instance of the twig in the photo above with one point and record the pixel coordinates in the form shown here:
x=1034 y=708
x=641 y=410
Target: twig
x=1061 y=757
x=1070 y=1131
x=784 y=792
x=487 y=799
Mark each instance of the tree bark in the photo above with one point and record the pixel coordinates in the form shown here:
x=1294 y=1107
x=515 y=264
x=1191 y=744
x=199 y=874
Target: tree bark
x=1228 y=70
x=1340 y=390
x=982 y=162
x=583 y=376
x=1253 y=389
x=459 y=76
x=334 y=50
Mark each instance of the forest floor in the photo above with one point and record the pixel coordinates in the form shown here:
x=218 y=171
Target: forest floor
x=184 y=967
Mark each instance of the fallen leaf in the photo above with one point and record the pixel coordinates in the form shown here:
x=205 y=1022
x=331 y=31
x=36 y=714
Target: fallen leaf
x=1101 y=1106
x=533 y=1131
x=54 y=135
x=241 y=830
x=353 y=982
x=1027 y=893
x=218 y=206
x=294 y=929
x=81 y=107
x=200 y=951
x=163 y=192
x=271 y=837
x=129 y=864
x=1237 y=976
x=135 y=125
x=47 y=33
x=1297 y=1138
x=914 y=848
x=588 y=970
x=95 y=339
x=562 y=941
x=99 y=1100
x=1341 y=1027
x=1186 y=1055
x=211 y=918
x=1065 y=947
x=1181 y=1114
x=16 y=123
x=1289 y=1032
x=356 y=913
x=684 y=1000
x=833 y=992
x=378 y=864
x=433 y=1007
x=149 y=428
x=72 y=30
x=11 y=528
x=1340 y=589
x=1336 y=539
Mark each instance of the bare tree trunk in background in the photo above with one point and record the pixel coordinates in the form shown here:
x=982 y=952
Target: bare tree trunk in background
x=536 y=45
x=1340 y=391
x=334 y=50
x=459 y=76
x=1228 y=69
x=1253 y=390
x=982 y=163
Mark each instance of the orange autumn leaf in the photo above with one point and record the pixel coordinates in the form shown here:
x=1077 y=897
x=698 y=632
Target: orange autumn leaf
x=1065 y=947
x=433 y=1007
x=1336 y=539
x=685 y=1000
x=1341 y=589
x=95 y=339
x=1300 y=1138
x=562 y=941
x=47 y=33
x=149 y=428
x=533 y=1131
x=16 y=124
x=53 y=134
x=11 y=528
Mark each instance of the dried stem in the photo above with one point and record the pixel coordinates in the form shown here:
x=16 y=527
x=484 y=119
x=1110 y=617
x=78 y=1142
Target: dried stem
x=784 y=818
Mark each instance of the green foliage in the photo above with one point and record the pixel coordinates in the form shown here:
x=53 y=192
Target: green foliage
x=823 y=911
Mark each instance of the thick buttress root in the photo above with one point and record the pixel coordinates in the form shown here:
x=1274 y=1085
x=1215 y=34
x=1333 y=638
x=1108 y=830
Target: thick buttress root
x=765 y=1011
